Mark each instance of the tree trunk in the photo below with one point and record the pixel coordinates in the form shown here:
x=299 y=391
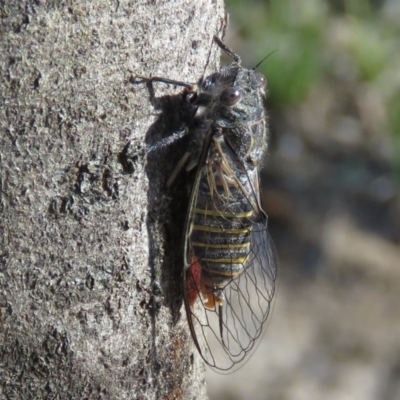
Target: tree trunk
x=90 y=261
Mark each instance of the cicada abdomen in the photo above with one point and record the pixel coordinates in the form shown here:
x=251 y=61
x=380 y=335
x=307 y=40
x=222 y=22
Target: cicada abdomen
x=222 y=219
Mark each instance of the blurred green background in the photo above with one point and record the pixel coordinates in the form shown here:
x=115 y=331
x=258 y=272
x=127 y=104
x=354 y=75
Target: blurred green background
x=331 y=190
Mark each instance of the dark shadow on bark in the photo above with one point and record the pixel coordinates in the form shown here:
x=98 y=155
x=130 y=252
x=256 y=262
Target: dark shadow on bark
x=165 y=221
x=166 y=206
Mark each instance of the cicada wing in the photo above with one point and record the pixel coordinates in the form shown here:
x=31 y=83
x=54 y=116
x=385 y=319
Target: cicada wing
x=248 y=298
x=226 y=334
x=226 y=324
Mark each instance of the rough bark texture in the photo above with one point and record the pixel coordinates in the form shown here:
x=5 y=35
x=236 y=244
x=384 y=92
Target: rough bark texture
x=90 y=298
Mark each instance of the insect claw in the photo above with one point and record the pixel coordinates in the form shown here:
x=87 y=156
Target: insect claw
x=135 y=79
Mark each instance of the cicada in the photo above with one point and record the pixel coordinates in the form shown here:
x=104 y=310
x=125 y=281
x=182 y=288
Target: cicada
x=229 y=262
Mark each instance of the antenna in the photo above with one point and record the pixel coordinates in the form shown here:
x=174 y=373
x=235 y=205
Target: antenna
x=264 y=59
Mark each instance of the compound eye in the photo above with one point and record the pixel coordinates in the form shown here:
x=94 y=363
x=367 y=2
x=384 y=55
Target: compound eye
x=230 y=96
x=262 y=80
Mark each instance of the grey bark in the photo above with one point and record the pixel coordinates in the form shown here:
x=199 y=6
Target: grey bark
x=90 y=295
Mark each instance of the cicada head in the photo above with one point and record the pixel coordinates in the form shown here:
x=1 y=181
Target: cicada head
x=233 y=101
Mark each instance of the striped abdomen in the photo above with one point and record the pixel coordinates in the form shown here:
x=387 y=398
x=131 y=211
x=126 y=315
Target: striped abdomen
x=220 y=233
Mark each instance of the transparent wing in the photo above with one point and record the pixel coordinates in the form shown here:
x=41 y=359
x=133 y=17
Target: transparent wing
x=226 y=334
x=227 y=311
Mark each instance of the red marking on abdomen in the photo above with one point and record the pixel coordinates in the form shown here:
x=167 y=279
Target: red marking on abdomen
x=193 y=278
